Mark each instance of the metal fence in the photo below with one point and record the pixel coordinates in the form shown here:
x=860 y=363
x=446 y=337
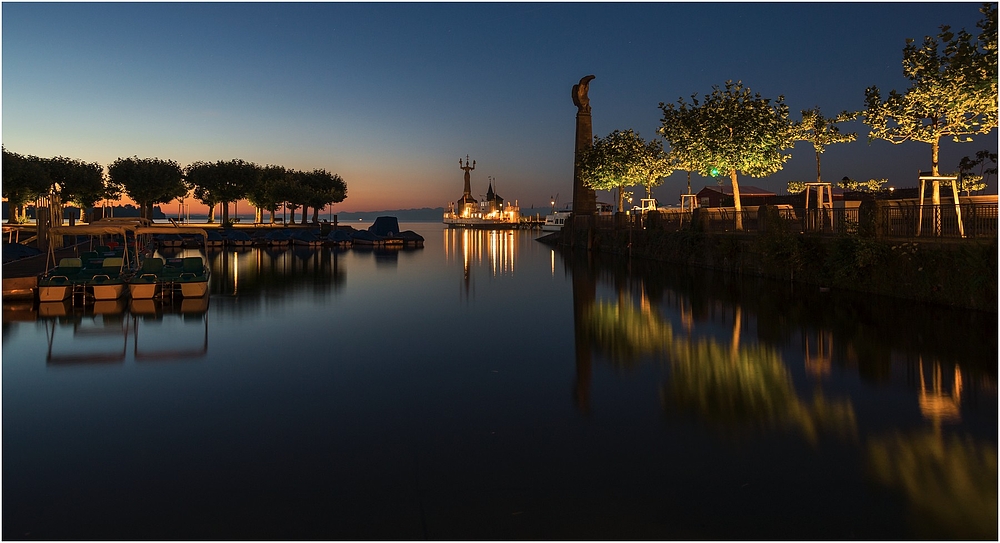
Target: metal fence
x=894 y=221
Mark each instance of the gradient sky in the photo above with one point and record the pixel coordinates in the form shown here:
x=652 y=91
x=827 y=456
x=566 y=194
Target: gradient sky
x=390 y=96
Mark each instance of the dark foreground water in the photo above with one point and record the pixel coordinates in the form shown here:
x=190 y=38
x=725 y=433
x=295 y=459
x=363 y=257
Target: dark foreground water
x=487 y=387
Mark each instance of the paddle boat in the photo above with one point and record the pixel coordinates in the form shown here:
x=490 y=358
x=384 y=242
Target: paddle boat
x=238 y=238
x=181 y=276
x=99 y=274
x=57 y=284
x=305 y=238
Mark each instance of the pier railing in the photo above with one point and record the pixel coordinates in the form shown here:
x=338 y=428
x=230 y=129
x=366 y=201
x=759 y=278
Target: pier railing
x=978 y=220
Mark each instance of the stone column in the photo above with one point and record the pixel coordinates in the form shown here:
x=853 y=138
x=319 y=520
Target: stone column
x=584 y=198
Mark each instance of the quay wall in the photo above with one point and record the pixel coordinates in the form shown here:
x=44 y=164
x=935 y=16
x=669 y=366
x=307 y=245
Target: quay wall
x=954 y=272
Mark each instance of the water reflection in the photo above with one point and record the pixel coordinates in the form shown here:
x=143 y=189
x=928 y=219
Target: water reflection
x=736 y=371
x=494 y=250
x=244 y=271
x=101 y=333
x=950 y=481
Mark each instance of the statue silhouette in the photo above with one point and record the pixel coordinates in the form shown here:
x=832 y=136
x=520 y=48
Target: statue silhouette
x=580 y=98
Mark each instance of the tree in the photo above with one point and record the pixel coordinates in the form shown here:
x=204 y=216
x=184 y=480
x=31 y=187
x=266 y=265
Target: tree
x=972 y=180
x=24 y=179
x=324 y=188
x=294 y=192
x=206 y=181
x=148 y=181
x=872 y=185
x=222 y=182
x=237 y=178
x=621 y=160
x=822 y=131
x=265 y=194
x=953 y=91
x=796 y=187
x=732 y=132
x=80 y=182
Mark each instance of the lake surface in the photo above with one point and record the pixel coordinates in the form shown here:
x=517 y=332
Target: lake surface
x=486 y=386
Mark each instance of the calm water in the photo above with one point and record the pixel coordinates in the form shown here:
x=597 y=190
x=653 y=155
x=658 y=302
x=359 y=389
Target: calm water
x=487 y=387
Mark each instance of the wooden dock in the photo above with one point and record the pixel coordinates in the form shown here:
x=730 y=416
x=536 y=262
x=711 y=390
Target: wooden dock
x=20 y=277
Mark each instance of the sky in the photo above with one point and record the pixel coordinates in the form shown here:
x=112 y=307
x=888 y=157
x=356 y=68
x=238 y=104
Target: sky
x=390 y=95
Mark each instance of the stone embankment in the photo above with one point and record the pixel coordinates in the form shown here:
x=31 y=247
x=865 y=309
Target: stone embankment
x=958 y=272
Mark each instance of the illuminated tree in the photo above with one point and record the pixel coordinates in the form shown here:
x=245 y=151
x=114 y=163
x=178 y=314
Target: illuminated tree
x=970 y=179
x=872 y=185
x=623 y=159
x=796 y=187
x=821 y=131
x=731 y=132
x=953 y=91
x=148 y=181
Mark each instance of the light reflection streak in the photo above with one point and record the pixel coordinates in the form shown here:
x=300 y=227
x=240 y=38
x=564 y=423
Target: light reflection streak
x=948 y=479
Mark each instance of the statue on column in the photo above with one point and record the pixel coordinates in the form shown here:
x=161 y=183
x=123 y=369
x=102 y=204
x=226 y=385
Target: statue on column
x=468 y=186
x=580 y=98
x=467 y=204
x=584 y=198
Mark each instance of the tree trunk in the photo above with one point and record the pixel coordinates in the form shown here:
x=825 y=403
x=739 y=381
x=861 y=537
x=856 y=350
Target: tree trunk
x=211 y=213
x=936 y=188
x=225 y=213
x=305 y=214
x=315 y=215
x=621 y=199
x=819 y=178
x=736 y=201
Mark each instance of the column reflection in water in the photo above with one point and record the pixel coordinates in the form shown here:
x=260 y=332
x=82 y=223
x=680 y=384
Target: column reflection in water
x=738 y=385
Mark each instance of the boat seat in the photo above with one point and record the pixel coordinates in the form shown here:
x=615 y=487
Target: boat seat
x=91 y=259
x=65 y=263
x=112 y=262
x=193 y=264
x=152 y=265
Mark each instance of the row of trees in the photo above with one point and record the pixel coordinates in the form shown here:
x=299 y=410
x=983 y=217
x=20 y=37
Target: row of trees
x=152 y=181
x=732 y=131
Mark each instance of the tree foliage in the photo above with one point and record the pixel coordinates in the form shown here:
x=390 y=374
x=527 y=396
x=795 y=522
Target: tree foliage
x=732 y=131
x=621 y=160
x=148 y=181
x=953 y=90
x=205 y=179
x=872 y=185
x=80 y=182
x=975 y=173
x=24 y=180
x=266 y=194
x=821 y=131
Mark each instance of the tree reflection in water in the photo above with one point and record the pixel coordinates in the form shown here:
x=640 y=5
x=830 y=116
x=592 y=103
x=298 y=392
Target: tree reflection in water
x=732 y=387
x=949 y=479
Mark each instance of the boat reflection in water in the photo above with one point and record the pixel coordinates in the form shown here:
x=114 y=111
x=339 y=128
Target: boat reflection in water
x=739 y=386
x=101 y=333
x=493 y=250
